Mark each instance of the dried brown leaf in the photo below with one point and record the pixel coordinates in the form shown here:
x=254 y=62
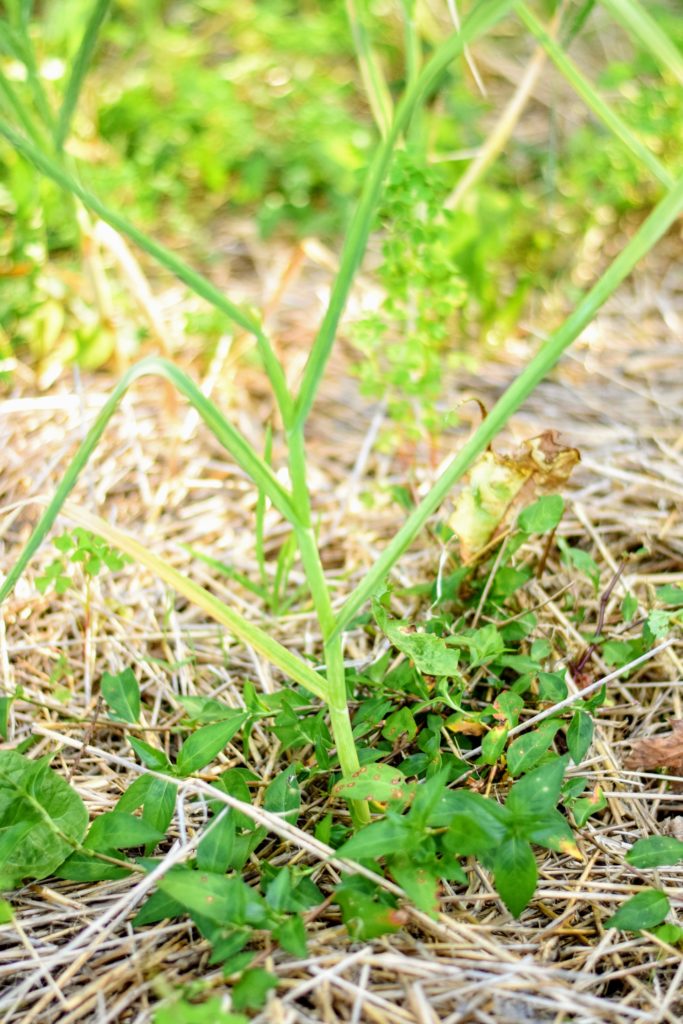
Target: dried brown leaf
x=659 y=752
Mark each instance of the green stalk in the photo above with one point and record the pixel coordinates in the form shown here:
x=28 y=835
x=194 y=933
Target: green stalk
x=661 y=218
x=196 y=282
x=484 y=16
x=375 y=84
x=636 y=20
x=340 y=720
x=225 y=433
x=19 y=109
x=591 y=98
x=18 y=43
x=79 y=70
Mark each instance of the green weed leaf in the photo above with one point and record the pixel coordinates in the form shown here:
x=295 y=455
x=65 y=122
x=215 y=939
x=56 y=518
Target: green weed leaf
x=644 y=910
x=543 y=515
x=205 y=744
x=251 y=991
x=210 y=1012
x=655 y=852
x=379 y=839
x=515 y=873
x=579 y=735
x=42 y=819
x=525 y=752
x=122 y=694
x=539 y=790
x=151 y=756
x=378 y=782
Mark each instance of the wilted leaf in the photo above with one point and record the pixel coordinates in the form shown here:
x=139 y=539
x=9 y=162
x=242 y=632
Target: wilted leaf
x=499 y=485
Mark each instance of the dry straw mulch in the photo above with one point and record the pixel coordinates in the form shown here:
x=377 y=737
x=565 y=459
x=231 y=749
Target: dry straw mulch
x=71 y=955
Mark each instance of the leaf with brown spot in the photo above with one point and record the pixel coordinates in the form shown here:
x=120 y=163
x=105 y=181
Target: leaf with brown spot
x=378 y=782
x=664 y=751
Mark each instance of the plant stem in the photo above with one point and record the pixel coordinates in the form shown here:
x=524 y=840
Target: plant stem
x=340 y=720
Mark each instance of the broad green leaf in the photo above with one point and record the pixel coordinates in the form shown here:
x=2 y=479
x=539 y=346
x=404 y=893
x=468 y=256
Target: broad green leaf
x=670 y=933
x=399 y=723
x=291 y=935
x=486 y=644
x=658 y=623
x=151 y=756
x=428 y=796
x=42 y=819
x=158 y=907
x=159 y=804
x=81 y=867
x=493 y=744
x=118 y=831
x=427 y=651
x=579 y=735
x=671 y=595
x=122 y=694
x=515 y=873
x=550 y=829
x=205 y=744
x=206 y=710
x=379 y=839
x=219 y=898
x=655 y=852
x=366 y=912
x=418 y=882
x=283 y=796
x=475 y=823
x=509 y=704
x=291 y=892
x=543 y=515
x=378 y=782
x=469 y=804
x=216 y=848
x=526 y=751
x=251 y=991
x=644 y=910
x=183 y=1012
x=552 y=686
x=134 y=796
x=6 y=912
x=585 y=806
x=539 y=790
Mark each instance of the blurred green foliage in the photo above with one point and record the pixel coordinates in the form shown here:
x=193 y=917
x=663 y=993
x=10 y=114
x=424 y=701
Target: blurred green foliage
x=197 y=112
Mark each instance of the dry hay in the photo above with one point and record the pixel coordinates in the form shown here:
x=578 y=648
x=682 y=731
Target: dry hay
x=72 y=955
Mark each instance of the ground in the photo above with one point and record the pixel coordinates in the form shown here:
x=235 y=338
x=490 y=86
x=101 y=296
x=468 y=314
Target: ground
x=71 y=955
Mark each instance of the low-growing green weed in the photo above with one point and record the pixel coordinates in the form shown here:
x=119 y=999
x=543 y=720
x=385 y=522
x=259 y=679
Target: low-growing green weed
x=398 y=741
